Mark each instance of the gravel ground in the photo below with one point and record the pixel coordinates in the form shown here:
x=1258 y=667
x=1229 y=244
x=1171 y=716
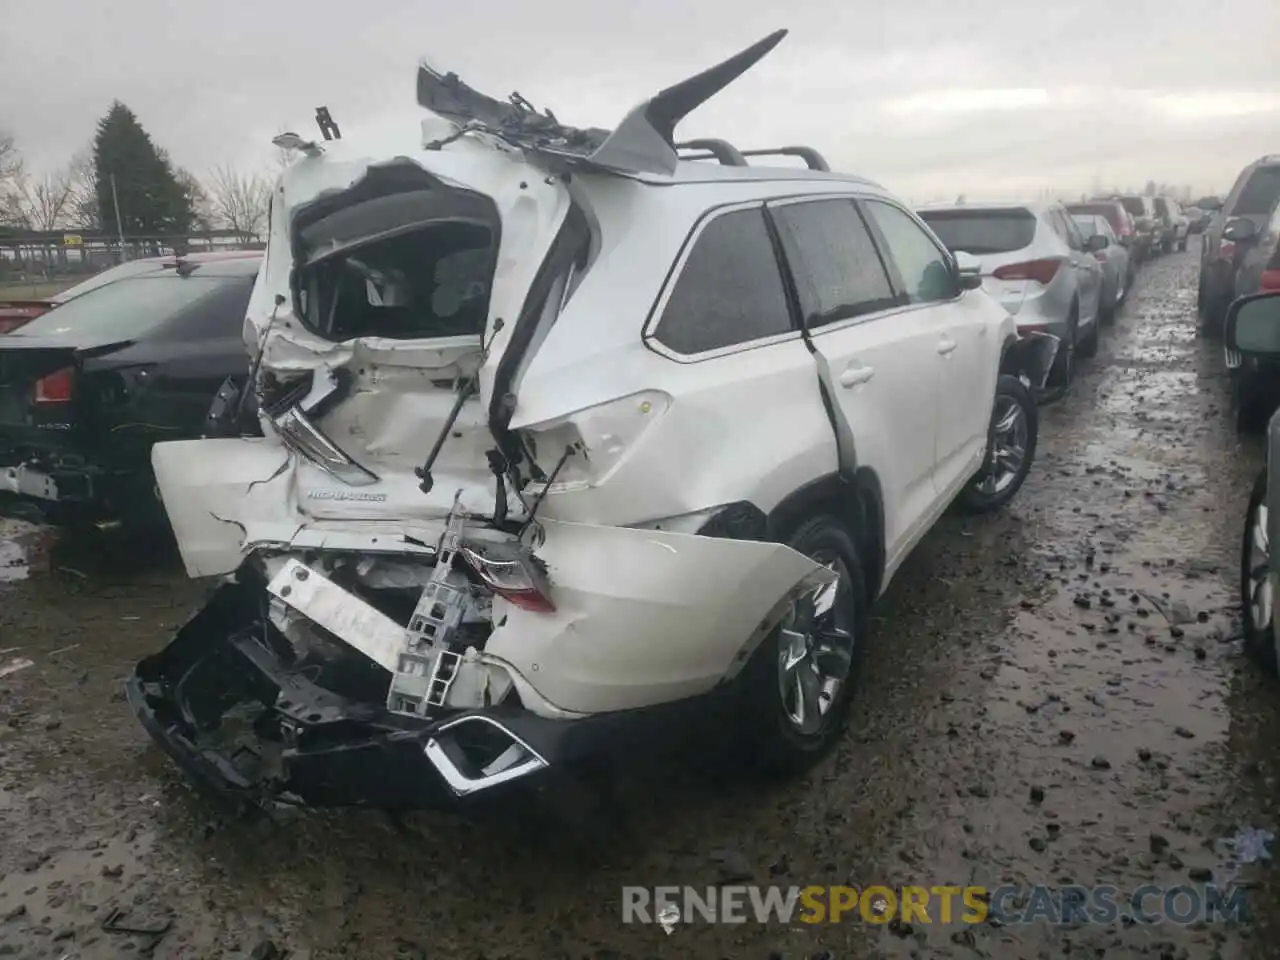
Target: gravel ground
x=1053 y=695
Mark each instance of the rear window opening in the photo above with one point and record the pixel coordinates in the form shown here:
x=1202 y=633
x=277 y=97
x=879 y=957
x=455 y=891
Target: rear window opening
x=400 y=255
x=982 y=231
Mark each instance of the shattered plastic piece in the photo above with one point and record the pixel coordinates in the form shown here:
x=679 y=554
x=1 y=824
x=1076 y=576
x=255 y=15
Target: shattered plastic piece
x=13 y=666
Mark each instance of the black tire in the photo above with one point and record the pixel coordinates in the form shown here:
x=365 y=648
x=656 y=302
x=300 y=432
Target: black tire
x=777 y=748
x=1259 y=639
x=1182 y=245
x=1108 y=304
x=1213 y=315
x=1251 y=408
x=974 y=498
x=1089 y=345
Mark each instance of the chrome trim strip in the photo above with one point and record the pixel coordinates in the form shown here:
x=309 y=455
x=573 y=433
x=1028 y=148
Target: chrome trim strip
x=460 y=783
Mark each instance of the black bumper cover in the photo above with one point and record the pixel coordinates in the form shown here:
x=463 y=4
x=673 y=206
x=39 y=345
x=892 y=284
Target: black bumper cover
x=312 y=746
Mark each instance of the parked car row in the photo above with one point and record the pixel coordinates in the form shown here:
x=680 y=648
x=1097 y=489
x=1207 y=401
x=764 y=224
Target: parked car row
x=1063 y=269
x=1239 y=257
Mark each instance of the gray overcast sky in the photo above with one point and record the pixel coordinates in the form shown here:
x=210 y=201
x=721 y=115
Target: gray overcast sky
x=930 y=97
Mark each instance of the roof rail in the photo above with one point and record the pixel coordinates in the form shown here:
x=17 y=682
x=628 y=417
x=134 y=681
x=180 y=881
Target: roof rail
x=730 y=156
x=812 y=158
x=721 y=150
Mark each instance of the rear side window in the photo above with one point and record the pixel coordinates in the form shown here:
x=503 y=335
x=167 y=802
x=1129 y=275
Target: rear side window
x=135 y=306
x=729 y=291
x=1259 y=194
x=1088 y=226
x=923 y=267
x=1075 y=239
x=1108 y=210
x=982 y=231
x=834 y=261
x=1134 y=206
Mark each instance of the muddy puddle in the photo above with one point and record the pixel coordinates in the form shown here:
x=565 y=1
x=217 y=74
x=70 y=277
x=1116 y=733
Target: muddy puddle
x=1055 y=695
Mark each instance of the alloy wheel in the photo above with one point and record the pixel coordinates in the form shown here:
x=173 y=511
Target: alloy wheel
x=815 y=650
x=1260 y=596
x=1008 y=447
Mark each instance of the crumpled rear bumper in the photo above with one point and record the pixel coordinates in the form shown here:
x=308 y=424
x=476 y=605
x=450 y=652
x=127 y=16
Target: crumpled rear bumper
x=244 y=724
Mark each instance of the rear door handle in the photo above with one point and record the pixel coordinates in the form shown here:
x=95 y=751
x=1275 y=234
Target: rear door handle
x=855 y=374
x=946 y=345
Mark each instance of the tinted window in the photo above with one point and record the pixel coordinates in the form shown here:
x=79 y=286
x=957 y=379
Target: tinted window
x=1108 y=210
x=729 y=290
x=838 y=272
x=1088 y=226
x=1075 y=240
x=131 y=307
x=924 y=268
x=1258 y=195
x=1162 y=208
x=1134 y=206
x=982 y=231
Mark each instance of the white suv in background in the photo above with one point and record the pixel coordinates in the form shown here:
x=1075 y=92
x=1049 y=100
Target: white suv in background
x=1037 y=264
x=566 y=433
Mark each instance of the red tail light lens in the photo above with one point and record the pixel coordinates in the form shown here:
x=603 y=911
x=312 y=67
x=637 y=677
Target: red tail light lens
x=1041 y=271
x=56 y=387
x=1099 y=256
x=516 y=578
x=1270 y=280
x=1227 y=250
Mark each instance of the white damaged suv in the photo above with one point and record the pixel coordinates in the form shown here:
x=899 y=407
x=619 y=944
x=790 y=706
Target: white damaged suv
x=565 y=434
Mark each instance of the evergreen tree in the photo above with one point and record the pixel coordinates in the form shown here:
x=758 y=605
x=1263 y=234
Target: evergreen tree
x=152 y=198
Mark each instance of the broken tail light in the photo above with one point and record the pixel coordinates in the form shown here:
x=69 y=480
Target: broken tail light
x=1227 y=251
x=517 y=578
x=1041 y=271
x=56 y=387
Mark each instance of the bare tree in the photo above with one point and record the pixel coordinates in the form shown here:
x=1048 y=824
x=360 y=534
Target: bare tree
x=36 y=203
x=82 y=205
x=10 y=159
x=239 y=201
x=202 y=215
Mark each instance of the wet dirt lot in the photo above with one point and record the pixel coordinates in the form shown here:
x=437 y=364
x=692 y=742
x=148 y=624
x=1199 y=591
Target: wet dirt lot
x=1053 y=695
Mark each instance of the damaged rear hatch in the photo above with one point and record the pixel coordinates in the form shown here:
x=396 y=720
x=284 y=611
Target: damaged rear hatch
x=395 y=289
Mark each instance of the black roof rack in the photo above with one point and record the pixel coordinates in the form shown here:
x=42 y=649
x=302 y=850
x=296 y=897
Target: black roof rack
x=730 y=156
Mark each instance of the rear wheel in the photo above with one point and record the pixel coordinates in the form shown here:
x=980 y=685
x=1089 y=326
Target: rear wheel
x=800 y=681
x=1250 y=404
x=1256 y=598
x=1182 y=245
x=1089 y=345
x=1011 y=448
